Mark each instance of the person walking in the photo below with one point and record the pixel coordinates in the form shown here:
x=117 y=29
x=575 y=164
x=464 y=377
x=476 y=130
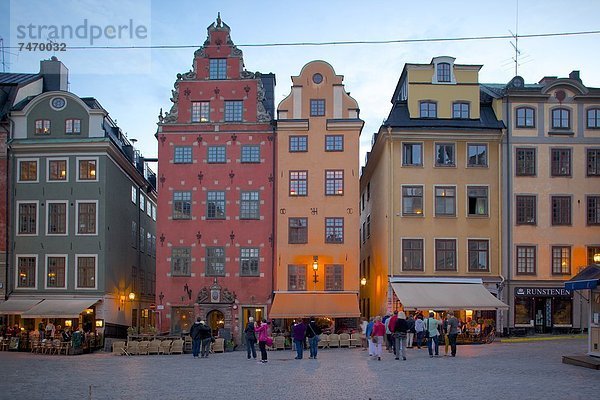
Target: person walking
x=195 y=334
x=400 y=335
x=452 y=329
x=369 y=334
x=261 y=330
x=411 y=332
x=298 y=334
x=388 y=333
x=419 y=330
x=444 y=334
x=363 y=334
x=389 y=330
x=312 y=333
x=250 y=338
x=431 y=327
x=205 y=338
x=377 y=336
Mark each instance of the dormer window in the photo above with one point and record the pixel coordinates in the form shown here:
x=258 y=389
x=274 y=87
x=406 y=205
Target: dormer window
x=460 y=110
x=42 y=127
x=218 y=68
x=428 y=109
x=443 y=72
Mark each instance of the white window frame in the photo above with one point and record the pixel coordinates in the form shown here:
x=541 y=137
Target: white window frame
x=37 y=218
x=37 y=266
x=440 y=60
x=422 y=250
x=48 y=169
x=148 y=207
x=489 y=212
x=37 y=179
x=489 y=254
x=97 y=159
x=76 y=285
x=487 y=155
x=66 y=203
x=134 y=195
x=404 y=163
x=142 y=202
x=439 y=186
x=66 y=257
x=402 y=212
x=77 y=218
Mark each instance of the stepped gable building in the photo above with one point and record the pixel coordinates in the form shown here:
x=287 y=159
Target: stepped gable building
x=216 y=187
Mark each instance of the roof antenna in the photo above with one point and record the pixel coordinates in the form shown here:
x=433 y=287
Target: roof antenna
x=2 y=52
x=515 y=45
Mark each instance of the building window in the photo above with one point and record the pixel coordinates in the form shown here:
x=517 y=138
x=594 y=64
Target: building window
x=27 y=219
x=148 y=243
x=57 y=170
x=334 y=182
x=412 y=200
x=86 y=272
x=526 y=210
x=55 y=277
x=334 y=142
x=591 y=252
x=57 y=218
x=216 y=155
x=183 y=155
x=233 y=110
x=200 y=111
x=249 y=261
x=296 y=277
x=334 y=277
x=477 y=197
x=561 y=118
x=412 y=154
x=42 y=127
x=142 y=239
x=526 y=260
x=134 y=232
x=26 y=272
x=368 y=226
x=215 y=261
x=412 y=255
x=525 y=162
x=561 y=162
x=86 y=218
x=593 y=210
x=249 y=205
x=298 y=144
x=87 y=170
x=298 y=183
x=561 y=210
x=593 y=162
x=134 y=195
x=593 y=118
x=445 y=201
x=250 y=153
x=317 y=107
x=181 y=259
x=443 y=72
x=525 y=117
x=217 y=68
x=460 y=110
x=368 y=191
x=334 y=230
x=182 y=205
x=428 y=109
x=215 y=205
x=562 y=311
x=477 y=155
x=445 y=254
x=561 y=260
x=479 y=255
x=444 y=155
x=298 y=230
x=73 y=126
x=142 y=202
x=28 y=171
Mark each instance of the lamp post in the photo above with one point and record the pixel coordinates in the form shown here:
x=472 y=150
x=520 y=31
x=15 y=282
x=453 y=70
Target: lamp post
x=137 y=323
x=315 y=269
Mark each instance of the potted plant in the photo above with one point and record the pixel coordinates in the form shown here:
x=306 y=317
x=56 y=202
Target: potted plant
x=229 y=345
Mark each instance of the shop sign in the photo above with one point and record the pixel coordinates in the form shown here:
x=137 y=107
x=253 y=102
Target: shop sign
x=542 y=292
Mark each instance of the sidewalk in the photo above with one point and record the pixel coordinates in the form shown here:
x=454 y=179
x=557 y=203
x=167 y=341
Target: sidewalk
x=542 y=338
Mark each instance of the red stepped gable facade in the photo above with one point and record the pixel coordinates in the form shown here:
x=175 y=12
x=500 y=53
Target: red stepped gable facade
x=215 y=203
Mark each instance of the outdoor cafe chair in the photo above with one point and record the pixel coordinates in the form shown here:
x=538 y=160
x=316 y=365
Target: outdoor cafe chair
x=154 y=346
x=165 y=347
x=344 y=340
x=334 y=340
x=177 y=346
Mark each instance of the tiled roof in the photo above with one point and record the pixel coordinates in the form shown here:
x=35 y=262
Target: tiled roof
x=7 y=78
x=399 y=118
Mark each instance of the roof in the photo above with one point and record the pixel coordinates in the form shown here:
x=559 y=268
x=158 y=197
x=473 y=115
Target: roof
x=8 y=78
x=399 y=118
x=9 y=86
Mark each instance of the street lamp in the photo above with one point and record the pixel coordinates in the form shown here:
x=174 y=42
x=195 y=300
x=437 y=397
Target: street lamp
x=315 y=269
x=363 y=281
x=597 y=258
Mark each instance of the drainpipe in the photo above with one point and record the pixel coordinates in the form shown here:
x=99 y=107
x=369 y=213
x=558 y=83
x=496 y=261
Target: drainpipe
x=8 y=214
x=507 y=118
x=273 y=209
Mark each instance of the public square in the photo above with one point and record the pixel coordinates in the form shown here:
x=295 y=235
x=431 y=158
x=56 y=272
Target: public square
x=529 y=370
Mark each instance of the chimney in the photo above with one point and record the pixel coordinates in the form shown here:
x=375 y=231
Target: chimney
x=55 y=74
x=547 y=79
x=575 y=76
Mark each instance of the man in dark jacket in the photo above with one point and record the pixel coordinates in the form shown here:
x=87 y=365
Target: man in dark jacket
x=206 y=339
x=312 y=333
x=400 y=333
x=298 y=334
x=195 y=334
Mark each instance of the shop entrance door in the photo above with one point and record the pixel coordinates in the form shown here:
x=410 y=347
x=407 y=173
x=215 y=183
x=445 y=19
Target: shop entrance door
x=543 y=314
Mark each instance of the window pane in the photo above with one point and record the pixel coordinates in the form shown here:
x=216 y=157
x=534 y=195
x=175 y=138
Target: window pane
x=182 y=205
x=249 y=205
x=180 y=261
x=183 y=154
x=298 y=143
x=250 y=153
x=218 y=68
x=444 y=154
x=216 y=154
x=334 y=143
x=56 y=272
x=412 y=200
x=334 y=230
x=478 y=255
x=525 y=162
x=87 y=170
x=57 y=218
x=57 y=170
x=86 y=272
x=334 y=277
x=215 y=205
x=334 y=183
x=477 y=155
x=317 y=107
x=28 y=171
x=296 y=277
x=26 y=272
x=86 y=218
x=526 y=260
x=445 y=201
x=412 y=254
x=215 y=261
x=249 y=262
x=233 y=111
x=298 y=230
x=27 y=218
x=445 y=254
x=412 y=154
x=443 y=72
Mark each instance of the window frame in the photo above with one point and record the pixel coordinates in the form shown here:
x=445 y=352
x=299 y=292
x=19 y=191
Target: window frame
x=47 y=271
x=214 y=215
x=592 y=211
x=18 y=232
x=592 y=158
x=412 y=211
x=300 y=233
x=181 y=256
x=334 y=143
x=522 y=261
x=65 y=219
x=478 y=164
x=317 y=107
x=408 y=254
x=334 y=183
x=33 y=269
x=200 y=112
x=557 y=162
x=252 y=259
x=334 y=230
x=525 y=209
x=77 y=217
x=334 y=277
x=249 y=207
x=217 y=69
x=595 y=118
x=33 y=161
x=296 y=188
x=213 y=260
x=444 y=196
x=296 y=147
x=79 y=160
x=522 y=166
x=233 y=111
x=478 y=251
x=522 y=121
x=461 y=109
x=42 y=127
x=557 y=204
x=427 y=108
x=183 y=155
x=443 y=69
x=75 y=126
x=561 y=118
x=180 y=199
x=250 y=154
x=52 y=160
x=77 y=272
x=298 y=273
x=561 y=257
x=216 y=154
x=486 y=213
x=405 y=146
x=446 y=145
x=453 y=252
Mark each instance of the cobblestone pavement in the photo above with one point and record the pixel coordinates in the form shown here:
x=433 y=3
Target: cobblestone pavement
x=496 y=371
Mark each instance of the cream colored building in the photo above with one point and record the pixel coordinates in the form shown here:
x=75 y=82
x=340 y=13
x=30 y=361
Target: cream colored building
x=317 y=184
x=431 y=198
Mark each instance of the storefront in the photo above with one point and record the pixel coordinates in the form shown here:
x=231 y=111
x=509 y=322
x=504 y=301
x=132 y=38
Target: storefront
x=586 y=283
x=545 y=309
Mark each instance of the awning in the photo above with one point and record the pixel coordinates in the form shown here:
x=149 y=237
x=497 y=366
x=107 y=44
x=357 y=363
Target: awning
x=59 y=308
x=335 y=305
x=17 y=306
x=446 y=296
x=588 y=278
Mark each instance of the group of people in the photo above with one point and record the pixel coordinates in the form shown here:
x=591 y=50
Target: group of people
x=257 y=333
x=398 y=332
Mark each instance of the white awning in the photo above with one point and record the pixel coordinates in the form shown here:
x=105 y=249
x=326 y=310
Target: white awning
x=59 y=308
x=17 y=306
x=446 y=296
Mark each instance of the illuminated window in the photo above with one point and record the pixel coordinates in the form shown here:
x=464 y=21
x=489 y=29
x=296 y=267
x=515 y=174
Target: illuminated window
x=56 y=272
x=57 y=170
x=26 y=267
x=28 y=171
x=42 y=127
x=200 y=111
x=87 y=170
x=561 y=260
x=412 y=200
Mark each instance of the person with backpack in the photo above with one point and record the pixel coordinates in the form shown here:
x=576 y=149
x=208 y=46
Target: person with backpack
x=400 y=335
x=419 y=330
x=250 y=338
x=312 y=333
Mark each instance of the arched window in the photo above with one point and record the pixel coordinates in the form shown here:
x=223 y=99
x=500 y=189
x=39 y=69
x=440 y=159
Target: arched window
x=443 y=72
x=561 y=118
x=428 y=109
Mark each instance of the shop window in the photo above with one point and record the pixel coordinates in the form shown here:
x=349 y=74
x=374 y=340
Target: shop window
x=182 y=319
x=523 y=310
x=562 y=311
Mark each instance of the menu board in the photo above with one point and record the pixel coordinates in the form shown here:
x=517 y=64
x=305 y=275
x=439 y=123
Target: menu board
x=14 y=343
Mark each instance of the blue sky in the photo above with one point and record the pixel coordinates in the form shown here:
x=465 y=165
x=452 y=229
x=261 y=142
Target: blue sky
x=134 y=84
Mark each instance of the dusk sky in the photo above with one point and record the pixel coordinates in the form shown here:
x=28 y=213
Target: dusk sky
x=134 y=84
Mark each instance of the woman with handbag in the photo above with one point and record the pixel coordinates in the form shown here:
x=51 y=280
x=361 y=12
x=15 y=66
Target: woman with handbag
x=250 y=338
x=263 y=337
x=377 y=336
x=312 y=333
